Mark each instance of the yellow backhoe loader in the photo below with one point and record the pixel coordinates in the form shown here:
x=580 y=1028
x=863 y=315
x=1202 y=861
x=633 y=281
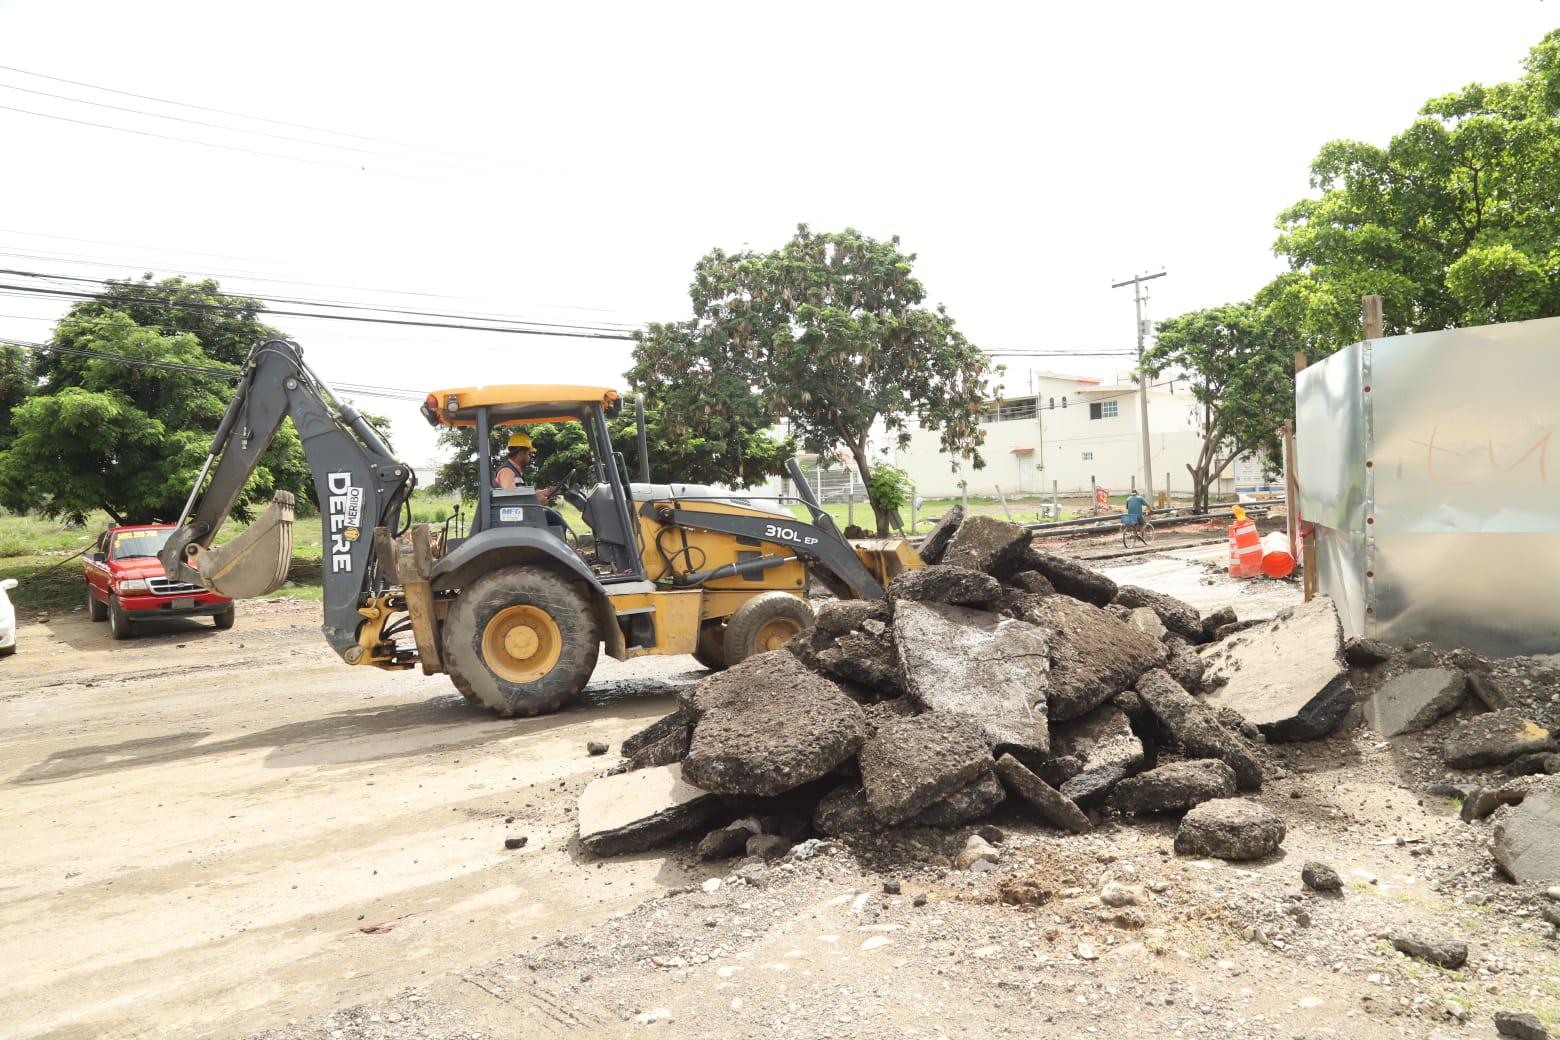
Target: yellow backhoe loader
x=517 y=610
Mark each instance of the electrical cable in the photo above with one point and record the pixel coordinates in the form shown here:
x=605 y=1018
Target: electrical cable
x=313 y=303
x=223 y=147
x=263 y=119
x=241 y=130
x=33 y=291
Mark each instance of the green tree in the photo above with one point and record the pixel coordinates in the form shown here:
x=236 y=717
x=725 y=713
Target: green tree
x=827 y=333
x=128 y=434
x=16 y=385
x=1240 y=369
x=1453 y=222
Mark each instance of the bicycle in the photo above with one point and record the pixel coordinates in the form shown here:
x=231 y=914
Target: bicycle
x=1141 y=532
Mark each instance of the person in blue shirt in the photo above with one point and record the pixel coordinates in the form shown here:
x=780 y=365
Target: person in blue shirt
x=1136 y=504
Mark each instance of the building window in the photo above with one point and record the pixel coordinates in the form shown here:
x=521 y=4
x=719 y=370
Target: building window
x=1088 y=456
x=1008 y=411
x=1102 y=410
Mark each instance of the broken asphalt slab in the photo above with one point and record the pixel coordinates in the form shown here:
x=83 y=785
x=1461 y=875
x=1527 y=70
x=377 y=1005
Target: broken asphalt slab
x=1527 y=841
x=1053 y=806
x=1286 y=677
x=1094 y=656
x=1106 y=749
x=990 y=670
x=786 y=727
x=1493 y=739
x=942 y=583
x=1229 y=828
x=910 y=763
x=1176 y=787
x=1414 y=700
x=630 y=812
x=1177 y=616
x=1196 y=728
x=984 y=543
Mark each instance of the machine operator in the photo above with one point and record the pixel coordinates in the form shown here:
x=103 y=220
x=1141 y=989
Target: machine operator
x=511 y=472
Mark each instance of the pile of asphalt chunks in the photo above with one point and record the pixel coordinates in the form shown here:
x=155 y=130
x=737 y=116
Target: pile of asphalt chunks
x=997 y=672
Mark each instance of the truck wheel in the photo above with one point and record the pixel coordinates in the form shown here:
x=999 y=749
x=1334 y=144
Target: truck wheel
x=223 y=619
x=765 y=622
x=521 y=641
x=95 y=610
x=711 y=651
x=118 y=619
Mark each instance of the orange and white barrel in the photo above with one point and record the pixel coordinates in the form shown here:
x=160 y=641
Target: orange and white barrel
x=1245 y=549
x=1277 y=560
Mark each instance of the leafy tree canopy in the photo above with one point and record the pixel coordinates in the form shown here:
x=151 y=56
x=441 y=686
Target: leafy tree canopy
x=1240 y=367
x=123 y=436
x=1453 y=222
x=830 y=334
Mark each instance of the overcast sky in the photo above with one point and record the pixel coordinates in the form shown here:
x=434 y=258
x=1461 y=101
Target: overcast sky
x=1030 y=155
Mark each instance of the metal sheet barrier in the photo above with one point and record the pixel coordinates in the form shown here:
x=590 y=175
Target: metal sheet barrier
x=1429 y=465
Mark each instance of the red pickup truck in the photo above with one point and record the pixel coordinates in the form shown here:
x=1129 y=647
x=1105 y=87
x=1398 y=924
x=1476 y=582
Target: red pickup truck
x=125 y=583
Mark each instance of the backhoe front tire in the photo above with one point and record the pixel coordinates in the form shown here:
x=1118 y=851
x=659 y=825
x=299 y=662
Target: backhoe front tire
x=765 y=622
x=711 y=649
x=521 y=641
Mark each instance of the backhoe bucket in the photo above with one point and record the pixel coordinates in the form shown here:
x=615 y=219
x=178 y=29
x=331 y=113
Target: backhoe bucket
x=886 y=557
x=256 y=561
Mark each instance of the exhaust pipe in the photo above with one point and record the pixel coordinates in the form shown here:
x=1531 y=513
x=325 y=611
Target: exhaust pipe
x=255 y=562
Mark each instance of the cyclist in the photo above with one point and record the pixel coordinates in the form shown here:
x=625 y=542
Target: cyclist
x=1133 y=517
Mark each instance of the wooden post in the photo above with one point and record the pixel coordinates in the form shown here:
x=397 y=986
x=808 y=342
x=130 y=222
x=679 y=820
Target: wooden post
x=1005 y=510
x=1370 y=317
x=912 y=509
x=1056 y=506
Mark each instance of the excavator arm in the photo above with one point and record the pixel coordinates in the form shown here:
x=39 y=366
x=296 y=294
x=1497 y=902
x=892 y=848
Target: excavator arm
x=360 y=487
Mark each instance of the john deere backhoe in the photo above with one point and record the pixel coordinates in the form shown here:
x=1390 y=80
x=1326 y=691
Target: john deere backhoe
x=516 y=611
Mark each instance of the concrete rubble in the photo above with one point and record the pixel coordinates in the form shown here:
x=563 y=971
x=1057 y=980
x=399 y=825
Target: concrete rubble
x=1008 y=679
x=1001 y=677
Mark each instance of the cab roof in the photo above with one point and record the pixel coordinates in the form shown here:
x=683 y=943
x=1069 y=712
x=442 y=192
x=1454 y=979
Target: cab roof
x=510 y=403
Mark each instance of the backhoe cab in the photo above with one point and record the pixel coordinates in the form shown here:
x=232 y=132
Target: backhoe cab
x=516 y=612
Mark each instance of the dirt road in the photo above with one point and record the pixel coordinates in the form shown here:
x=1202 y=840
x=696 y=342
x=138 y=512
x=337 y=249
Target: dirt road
x=200 y=825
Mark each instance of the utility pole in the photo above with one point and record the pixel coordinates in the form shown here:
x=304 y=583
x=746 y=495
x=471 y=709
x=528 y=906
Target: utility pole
x=1138 y=300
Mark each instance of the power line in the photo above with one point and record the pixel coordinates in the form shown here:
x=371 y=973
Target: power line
x=273 y=122
x=224 y=147
x=231 y=276
x=330 y=303
x=242 y=130
x=39 y=292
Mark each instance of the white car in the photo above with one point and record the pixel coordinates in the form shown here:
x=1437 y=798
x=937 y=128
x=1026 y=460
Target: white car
x=7 y=619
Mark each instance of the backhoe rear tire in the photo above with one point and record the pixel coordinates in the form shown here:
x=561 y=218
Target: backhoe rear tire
x=521 y=640
x=765 y=622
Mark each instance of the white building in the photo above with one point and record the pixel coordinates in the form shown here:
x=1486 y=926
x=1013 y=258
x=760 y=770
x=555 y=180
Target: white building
x=1066 y=432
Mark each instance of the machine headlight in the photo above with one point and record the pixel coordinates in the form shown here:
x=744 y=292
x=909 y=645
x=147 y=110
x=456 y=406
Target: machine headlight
x=132 y=585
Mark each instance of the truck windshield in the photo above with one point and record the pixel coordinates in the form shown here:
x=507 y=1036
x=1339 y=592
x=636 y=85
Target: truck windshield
x=130 y=545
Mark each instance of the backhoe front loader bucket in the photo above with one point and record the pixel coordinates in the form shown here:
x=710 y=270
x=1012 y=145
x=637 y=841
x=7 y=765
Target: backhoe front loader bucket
x=256 y=561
